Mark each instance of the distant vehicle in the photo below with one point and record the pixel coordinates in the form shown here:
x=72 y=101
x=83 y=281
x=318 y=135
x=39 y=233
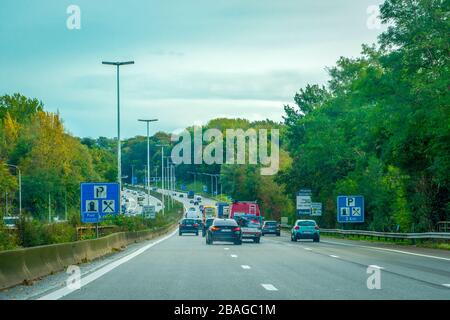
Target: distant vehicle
x=198 y=198
x=200 y=223
x=208 y=223
x=251 y=227
x=140 y=200
x=190 y=194
x=195 y=203
x=154 y=189
x=11 y=222
x=181 y=195
x=223 y=210
x=193 y=213
x=224 y=230
x=159 y=204
x=305 y=229
x=209 y=212
x=244 y=208
x=271 y=227
x=192 y=201
x=188 y=226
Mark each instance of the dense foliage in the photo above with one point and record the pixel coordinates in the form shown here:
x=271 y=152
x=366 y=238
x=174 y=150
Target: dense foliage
x=381 y=126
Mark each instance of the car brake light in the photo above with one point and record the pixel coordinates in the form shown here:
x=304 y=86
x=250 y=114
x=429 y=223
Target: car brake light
x=195 y=225
x=297 y=227
x=215 y=228
x=237 y=229
x=316 y=227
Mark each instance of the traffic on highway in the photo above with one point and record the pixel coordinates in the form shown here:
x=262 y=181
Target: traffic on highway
x=213 y=159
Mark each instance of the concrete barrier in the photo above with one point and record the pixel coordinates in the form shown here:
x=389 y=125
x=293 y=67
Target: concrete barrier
x=28 y=264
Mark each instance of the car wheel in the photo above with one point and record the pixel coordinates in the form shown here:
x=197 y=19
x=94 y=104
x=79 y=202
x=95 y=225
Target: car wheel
x=238 y=243
x=278 y=234
x=292 y=238
x=317 y=239
x=262 y=234
x=257 y=240
x=180 y=233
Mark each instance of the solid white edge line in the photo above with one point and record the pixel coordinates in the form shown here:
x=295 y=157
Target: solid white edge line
x=388 y=250
x=269 y=287
x=58 y=294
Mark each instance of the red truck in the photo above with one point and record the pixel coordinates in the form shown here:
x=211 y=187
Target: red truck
x=248 y=216
x=244 y=208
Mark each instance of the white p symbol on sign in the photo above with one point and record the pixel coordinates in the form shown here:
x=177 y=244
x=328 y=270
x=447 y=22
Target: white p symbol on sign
x=351 y=202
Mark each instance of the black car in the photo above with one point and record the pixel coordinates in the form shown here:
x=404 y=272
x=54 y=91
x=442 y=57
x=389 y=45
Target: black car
x=224 y=230
x=188 y=226
x=271 y=227
x=206 y=226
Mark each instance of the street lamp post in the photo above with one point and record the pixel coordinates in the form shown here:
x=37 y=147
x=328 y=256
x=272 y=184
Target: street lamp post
x=119 y=152
x=148 y=155
x=162 y=175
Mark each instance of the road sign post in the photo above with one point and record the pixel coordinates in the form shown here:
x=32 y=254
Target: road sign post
x=304 y=202
x=98 y=200
x=350 y=209
x=316 y=209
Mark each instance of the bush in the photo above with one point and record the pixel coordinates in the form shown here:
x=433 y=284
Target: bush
x=8 y=240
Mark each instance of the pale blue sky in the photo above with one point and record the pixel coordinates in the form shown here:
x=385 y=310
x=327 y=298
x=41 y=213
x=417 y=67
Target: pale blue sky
x=195 y=59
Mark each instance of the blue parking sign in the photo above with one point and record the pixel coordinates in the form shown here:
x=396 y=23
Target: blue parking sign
x=350 y=209
x=98 y=200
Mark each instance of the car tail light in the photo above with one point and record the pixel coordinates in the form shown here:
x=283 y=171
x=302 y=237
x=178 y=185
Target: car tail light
x=316 y=227
x=237 y=229
x=215 y=228
x=195 y=225
x=297 y=227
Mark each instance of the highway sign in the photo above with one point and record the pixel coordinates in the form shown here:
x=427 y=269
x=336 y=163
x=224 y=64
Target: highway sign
x=316 y=208
x=98 y=200
x=149 y=212
x=350 y=209
x=304 y=202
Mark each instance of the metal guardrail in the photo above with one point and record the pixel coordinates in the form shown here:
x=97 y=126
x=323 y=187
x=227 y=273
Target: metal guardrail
x=393 y=235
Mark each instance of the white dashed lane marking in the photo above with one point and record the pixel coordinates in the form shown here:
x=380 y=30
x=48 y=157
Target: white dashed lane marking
x=245 y=267
x=269 y=287
x=234 y=256
x=333 y=256
x=375 y=266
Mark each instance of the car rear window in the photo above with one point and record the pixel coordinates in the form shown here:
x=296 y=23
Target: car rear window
x=231 y=223
x=306 y=223
x=271 y=223
x=189 y=221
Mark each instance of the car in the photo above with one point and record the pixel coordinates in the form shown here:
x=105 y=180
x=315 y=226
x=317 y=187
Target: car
x=159 y=204
x=188 y=226
x=271 y=227
x=305 y=229
x=200 y=223
x=208 y=222
x=195 y=203
x=224 y=230
x=181 y=195
x=251 y=227
x=191 y=201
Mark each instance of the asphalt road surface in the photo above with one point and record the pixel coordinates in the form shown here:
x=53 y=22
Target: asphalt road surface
x=184 y=267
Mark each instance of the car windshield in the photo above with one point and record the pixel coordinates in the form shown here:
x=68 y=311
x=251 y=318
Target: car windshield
x=306 y=223
x=250 y=223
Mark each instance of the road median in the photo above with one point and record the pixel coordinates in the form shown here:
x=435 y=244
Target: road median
x=28 y=264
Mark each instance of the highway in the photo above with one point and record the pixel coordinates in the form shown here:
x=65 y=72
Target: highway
x=174 y=267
